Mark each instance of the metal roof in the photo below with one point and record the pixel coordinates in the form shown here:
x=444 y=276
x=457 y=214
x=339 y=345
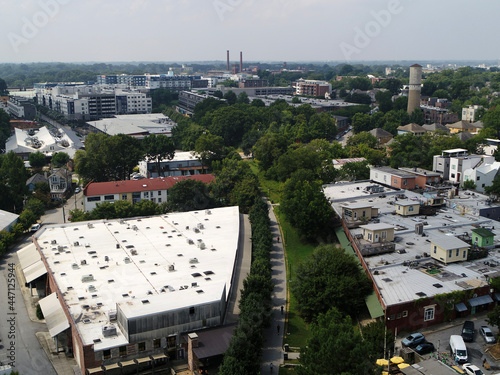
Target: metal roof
x=54 y=314
x=448 y=242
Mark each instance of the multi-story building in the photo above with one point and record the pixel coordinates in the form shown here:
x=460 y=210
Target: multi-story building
x=413 y=128
x=463 y=126
x=253 y=83
x=183 y=164
x=441 y=163
x=311 y=87
x=471 y=113
x=395 y=178
x=189 y=99
x=133 y=191
x=438 y=115
x=482 y=175
x=21 y=108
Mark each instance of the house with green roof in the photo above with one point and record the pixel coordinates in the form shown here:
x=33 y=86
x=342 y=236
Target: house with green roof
x=482 y=237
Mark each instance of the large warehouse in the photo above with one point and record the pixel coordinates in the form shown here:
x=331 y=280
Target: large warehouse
x=127 y=289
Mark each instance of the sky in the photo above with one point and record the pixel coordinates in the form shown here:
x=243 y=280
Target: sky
x=265 y=30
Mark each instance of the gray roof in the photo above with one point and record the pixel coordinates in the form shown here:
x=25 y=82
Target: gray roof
x=36 y=178
x=464 y=136
x=448 y=242
x=462 y=124
x=414 y=128
x=7 y=219
x=213 y=342
x=377 y=226
x=379 y=132
x=434 y=127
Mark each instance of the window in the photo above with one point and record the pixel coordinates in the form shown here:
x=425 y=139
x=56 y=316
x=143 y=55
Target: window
x=450 y=252
x=146 y=194
x=383 y=234
x=453 y=167
x=142 y=346
x=453 y=175
x=435 y=249
x=124 y=197
x=458 y=252
x=392 y=317
x=191 y=309
x=106 y=354
x=156 y=343
x=395 y=181
x=93 y=199
x=429 y=314
x=398 y=316
x=465 y=254
x=411 y=208
x=369 y=236
x=109 y=197
x=405 y=313
x=123 y=351
x=159 y=200
x=348 y=213
x=478 y=178
x=404 y=182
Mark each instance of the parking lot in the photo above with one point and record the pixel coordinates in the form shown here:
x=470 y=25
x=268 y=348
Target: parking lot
x=440 y=337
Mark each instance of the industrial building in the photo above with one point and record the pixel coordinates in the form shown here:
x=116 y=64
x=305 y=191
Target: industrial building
x=120 y=293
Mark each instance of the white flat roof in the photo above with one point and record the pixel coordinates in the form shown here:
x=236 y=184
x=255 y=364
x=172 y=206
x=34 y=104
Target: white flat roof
x=120 y=277
x=448 y=241
x=400 y=275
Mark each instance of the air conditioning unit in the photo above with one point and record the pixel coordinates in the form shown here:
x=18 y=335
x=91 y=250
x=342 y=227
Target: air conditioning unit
x=112 y=315
x=109 y=330
x=87 y=278
x=171 y=268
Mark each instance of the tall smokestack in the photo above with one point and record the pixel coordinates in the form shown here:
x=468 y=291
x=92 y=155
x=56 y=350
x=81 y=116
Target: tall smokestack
x=228 y=60
x=241 y=61
x=415 y=87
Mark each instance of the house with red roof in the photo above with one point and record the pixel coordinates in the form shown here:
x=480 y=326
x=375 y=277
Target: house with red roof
x=153 y=189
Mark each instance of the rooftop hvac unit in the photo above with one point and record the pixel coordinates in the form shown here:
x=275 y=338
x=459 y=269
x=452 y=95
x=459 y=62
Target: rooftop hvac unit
x=196 y=230
x=92 y=288
x=109 y=330
x=171 y=268
x=201 y=245
x=200 y=226
x=76 y=243
x=419 y=228
x=112 y=315
x=90 y=225
x=87 y=278
x=126 y=260
x=133 y=252
x=60 y=248
x=208 y=212
x=83 y=262
x=134 y=227
x=193 y=260
x=190 y=241
x=106 y=258
x=53 y=242
x=74 y=266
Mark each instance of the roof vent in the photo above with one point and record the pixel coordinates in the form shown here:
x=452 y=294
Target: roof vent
x=90 y=225
x=92 y=288
x=196 y=230
x=74 y=266
x=145 y=301
x=201 y=245
x=86 y=321
x=83 y=262
x=193 y=260
x=53 y=242
x=208 y=212
x=171 y=268
x=76 y=243
x=112 y=315
x=126 y=260
x=200 y=226
x=133 y=252
x=87 y=278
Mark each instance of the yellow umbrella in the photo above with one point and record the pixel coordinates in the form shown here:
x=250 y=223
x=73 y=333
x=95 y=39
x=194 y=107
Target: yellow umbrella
x=382 y=362
x=403 y=365
x=397 y=360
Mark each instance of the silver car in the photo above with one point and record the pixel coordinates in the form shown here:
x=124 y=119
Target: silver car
x=488 y=336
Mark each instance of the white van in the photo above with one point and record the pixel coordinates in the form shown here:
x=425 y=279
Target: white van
x=458 y=348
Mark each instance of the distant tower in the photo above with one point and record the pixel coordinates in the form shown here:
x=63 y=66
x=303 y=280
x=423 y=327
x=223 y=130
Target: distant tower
x=227 y=60
x=284 y=65
x=414 y=89
x=241 y=61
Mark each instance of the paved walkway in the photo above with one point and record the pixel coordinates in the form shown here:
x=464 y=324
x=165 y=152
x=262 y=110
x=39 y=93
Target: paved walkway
x=272 y=350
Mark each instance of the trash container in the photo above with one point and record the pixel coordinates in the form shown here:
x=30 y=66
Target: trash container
x=285 y=356
x=287 y=348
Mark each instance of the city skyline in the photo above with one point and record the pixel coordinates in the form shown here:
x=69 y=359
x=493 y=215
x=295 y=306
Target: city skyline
x=276 y=30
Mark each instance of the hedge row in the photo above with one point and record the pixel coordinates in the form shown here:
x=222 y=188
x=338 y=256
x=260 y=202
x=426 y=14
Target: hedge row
x=243 y=355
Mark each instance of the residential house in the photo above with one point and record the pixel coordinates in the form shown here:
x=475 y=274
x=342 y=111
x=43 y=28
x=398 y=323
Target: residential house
x=355 y=214
x=458 y=165
x=435 y=127
x=35 y=179
x=471 y=112
x=448 y=249
x=413 y=128
x=383 y=136
x=423 y=177
x=408 y=208
x=60 y=183
x=482 y=237
x=482 y=175
x=339 y=163
x=393 y=177
x=378 y=232
x=462 y=126
x=7 y=220
x=183 y=164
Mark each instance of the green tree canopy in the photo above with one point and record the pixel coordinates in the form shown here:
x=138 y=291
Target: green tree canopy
x=37 y=159
x=59 y=159
x=189 y=195
x=330 y=278
x=336 y=348
x=158 y=147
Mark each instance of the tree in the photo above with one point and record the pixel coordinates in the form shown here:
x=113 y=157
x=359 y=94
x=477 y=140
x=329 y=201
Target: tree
x=355 y=171
x=330 y=278
x=4 y=128
x=363 y=138
x=243 y=98
x=59 y=159
x=37 y=159
x=361 y=123
x=493 y=317
x=306 y=207
x=269 y=148
x=13 y=176
x=209 y=148
x=377 y=335
x=230 y=97
x=494 y=188
x=189 y=195
x=336 y=348
x=469 y=185
x=417 y=117
x=384 y=100
x=3 y=87
x=158 y=147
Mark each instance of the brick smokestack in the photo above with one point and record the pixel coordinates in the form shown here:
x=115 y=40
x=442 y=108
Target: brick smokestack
x=228 y=60
x=241 y=61
x=415 y=87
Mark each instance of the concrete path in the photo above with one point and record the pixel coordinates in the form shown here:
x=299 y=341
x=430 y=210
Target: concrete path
x=272 y=351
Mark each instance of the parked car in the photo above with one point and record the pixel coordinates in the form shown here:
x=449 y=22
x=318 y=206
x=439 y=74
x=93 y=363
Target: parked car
x=77 y=190
x=472 y=369
x=468 y=331
x=487 y=334
x=424 y=348
x=35 y=227
x=413 y=340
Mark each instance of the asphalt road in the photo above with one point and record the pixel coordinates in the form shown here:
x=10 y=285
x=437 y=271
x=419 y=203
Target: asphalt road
x=19 y=345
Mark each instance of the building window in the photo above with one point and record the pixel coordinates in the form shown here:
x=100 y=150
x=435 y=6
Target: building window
x=392 y=317
x=146 y=194
x=465 y=254
x=93 y=199
x=478 y=178
x=453 y=175
x=405 y=313
x=383 y=234
x=142 y=346
x=450 y=252
x=106 y=354
x=369 y=236
x=124 y=197
x=453 y=167
x=429 y=314
x=156 y=343
x=159 y=200
x=404 y=182
x=398 y=316
x=435 y=249
x=159 y=192
x=458 y=252
x=395 y=181
x=123 y=351
x=109 y=197
x=410 y=208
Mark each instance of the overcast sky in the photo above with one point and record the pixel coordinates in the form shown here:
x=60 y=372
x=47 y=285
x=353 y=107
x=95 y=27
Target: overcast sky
x=265 y=30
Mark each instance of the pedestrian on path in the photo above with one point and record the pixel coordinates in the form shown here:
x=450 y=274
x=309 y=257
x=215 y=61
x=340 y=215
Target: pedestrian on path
x=282 y=308
x=278 y=239
x=278 y=328
x=271 y=366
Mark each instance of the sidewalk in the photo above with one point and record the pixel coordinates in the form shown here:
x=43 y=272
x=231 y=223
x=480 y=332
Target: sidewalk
x=272 y=351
